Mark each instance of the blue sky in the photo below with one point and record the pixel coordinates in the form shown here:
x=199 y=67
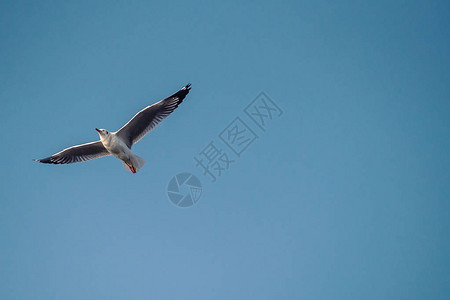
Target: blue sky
x=344 y=196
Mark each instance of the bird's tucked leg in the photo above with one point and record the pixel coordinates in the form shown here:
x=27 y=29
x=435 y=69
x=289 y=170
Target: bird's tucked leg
x=132 y=168
x=133 y=163
x=129 y=166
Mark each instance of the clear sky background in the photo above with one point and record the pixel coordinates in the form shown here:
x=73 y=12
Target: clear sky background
x=345 y=196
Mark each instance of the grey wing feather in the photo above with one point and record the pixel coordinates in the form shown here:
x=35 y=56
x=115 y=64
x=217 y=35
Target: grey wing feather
x=77 y=153
x=149 y=117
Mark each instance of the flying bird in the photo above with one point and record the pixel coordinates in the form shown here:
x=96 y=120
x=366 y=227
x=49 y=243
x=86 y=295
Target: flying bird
x=119 y=143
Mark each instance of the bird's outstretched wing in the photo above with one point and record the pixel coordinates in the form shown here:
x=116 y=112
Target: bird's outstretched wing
x=149 y=117
x=77 y=153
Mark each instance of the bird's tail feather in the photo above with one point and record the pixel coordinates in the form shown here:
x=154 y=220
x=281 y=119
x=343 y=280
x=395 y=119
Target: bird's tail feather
x=136 y=161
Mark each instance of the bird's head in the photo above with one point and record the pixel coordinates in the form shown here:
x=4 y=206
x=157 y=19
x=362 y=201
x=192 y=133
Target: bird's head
x=103 y=133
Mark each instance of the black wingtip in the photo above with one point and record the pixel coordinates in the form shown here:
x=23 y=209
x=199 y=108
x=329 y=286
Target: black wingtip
x=47 y=160
x=181 y=94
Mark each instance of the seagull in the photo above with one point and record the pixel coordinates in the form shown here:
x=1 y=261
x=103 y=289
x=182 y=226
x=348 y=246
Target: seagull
x=119 y=143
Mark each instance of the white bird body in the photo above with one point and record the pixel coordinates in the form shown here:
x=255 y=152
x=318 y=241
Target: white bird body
x=117 y=147
x=119 y=143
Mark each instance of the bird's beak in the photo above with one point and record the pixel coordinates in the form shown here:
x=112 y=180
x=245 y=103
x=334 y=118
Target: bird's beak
x=98 y=130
